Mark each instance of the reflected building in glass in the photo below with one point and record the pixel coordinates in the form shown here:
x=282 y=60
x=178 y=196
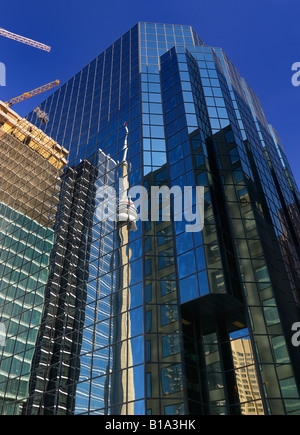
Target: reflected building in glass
x=148 y=317
x=246 y=379
x=28 y=204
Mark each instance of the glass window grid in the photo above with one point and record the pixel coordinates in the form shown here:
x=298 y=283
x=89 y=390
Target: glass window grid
x=169 y=30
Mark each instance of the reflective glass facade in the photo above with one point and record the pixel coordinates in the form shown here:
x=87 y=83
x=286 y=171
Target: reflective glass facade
x=151 y=318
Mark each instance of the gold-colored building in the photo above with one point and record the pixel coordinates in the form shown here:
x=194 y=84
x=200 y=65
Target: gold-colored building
x=246 y=379
x=31 y=164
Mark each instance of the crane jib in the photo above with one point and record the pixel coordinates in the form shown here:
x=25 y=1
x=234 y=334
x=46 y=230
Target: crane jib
x=24 y=40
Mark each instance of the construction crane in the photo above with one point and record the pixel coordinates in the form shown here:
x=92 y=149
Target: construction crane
x=32 y=93
x=24 y=40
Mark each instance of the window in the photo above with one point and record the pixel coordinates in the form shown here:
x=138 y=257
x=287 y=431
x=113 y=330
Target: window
x=186 y=264
x=244 y=197
x=171 y=378
x=271 y=312
x=167 y=287
x=170 y=345
x=280 y=350
x=177 y=409
x=263 y=277
x=169 y=314
x=289 y=388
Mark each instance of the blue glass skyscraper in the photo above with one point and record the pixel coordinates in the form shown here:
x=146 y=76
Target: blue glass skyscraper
x=156 y=319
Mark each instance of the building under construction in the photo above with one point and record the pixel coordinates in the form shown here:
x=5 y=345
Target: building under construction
x=28 y=204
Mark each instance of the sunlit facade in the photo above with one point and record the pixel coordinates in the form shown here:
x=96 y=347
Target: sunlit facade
x=28 y=204
x=151 y=318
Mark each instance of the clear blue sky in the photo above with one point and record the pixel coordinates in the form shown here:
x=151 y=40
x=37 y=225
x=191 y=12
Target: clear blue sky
x=261 y=37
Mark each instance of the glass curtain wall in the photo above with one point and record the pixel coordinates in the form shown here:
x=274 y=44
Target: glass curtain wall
x=155 y=319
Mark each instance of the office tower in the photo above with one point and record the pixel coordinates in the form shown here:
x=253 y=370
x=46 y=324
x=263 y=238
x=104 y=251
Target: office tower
x=31 y=163
x=150 y=320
